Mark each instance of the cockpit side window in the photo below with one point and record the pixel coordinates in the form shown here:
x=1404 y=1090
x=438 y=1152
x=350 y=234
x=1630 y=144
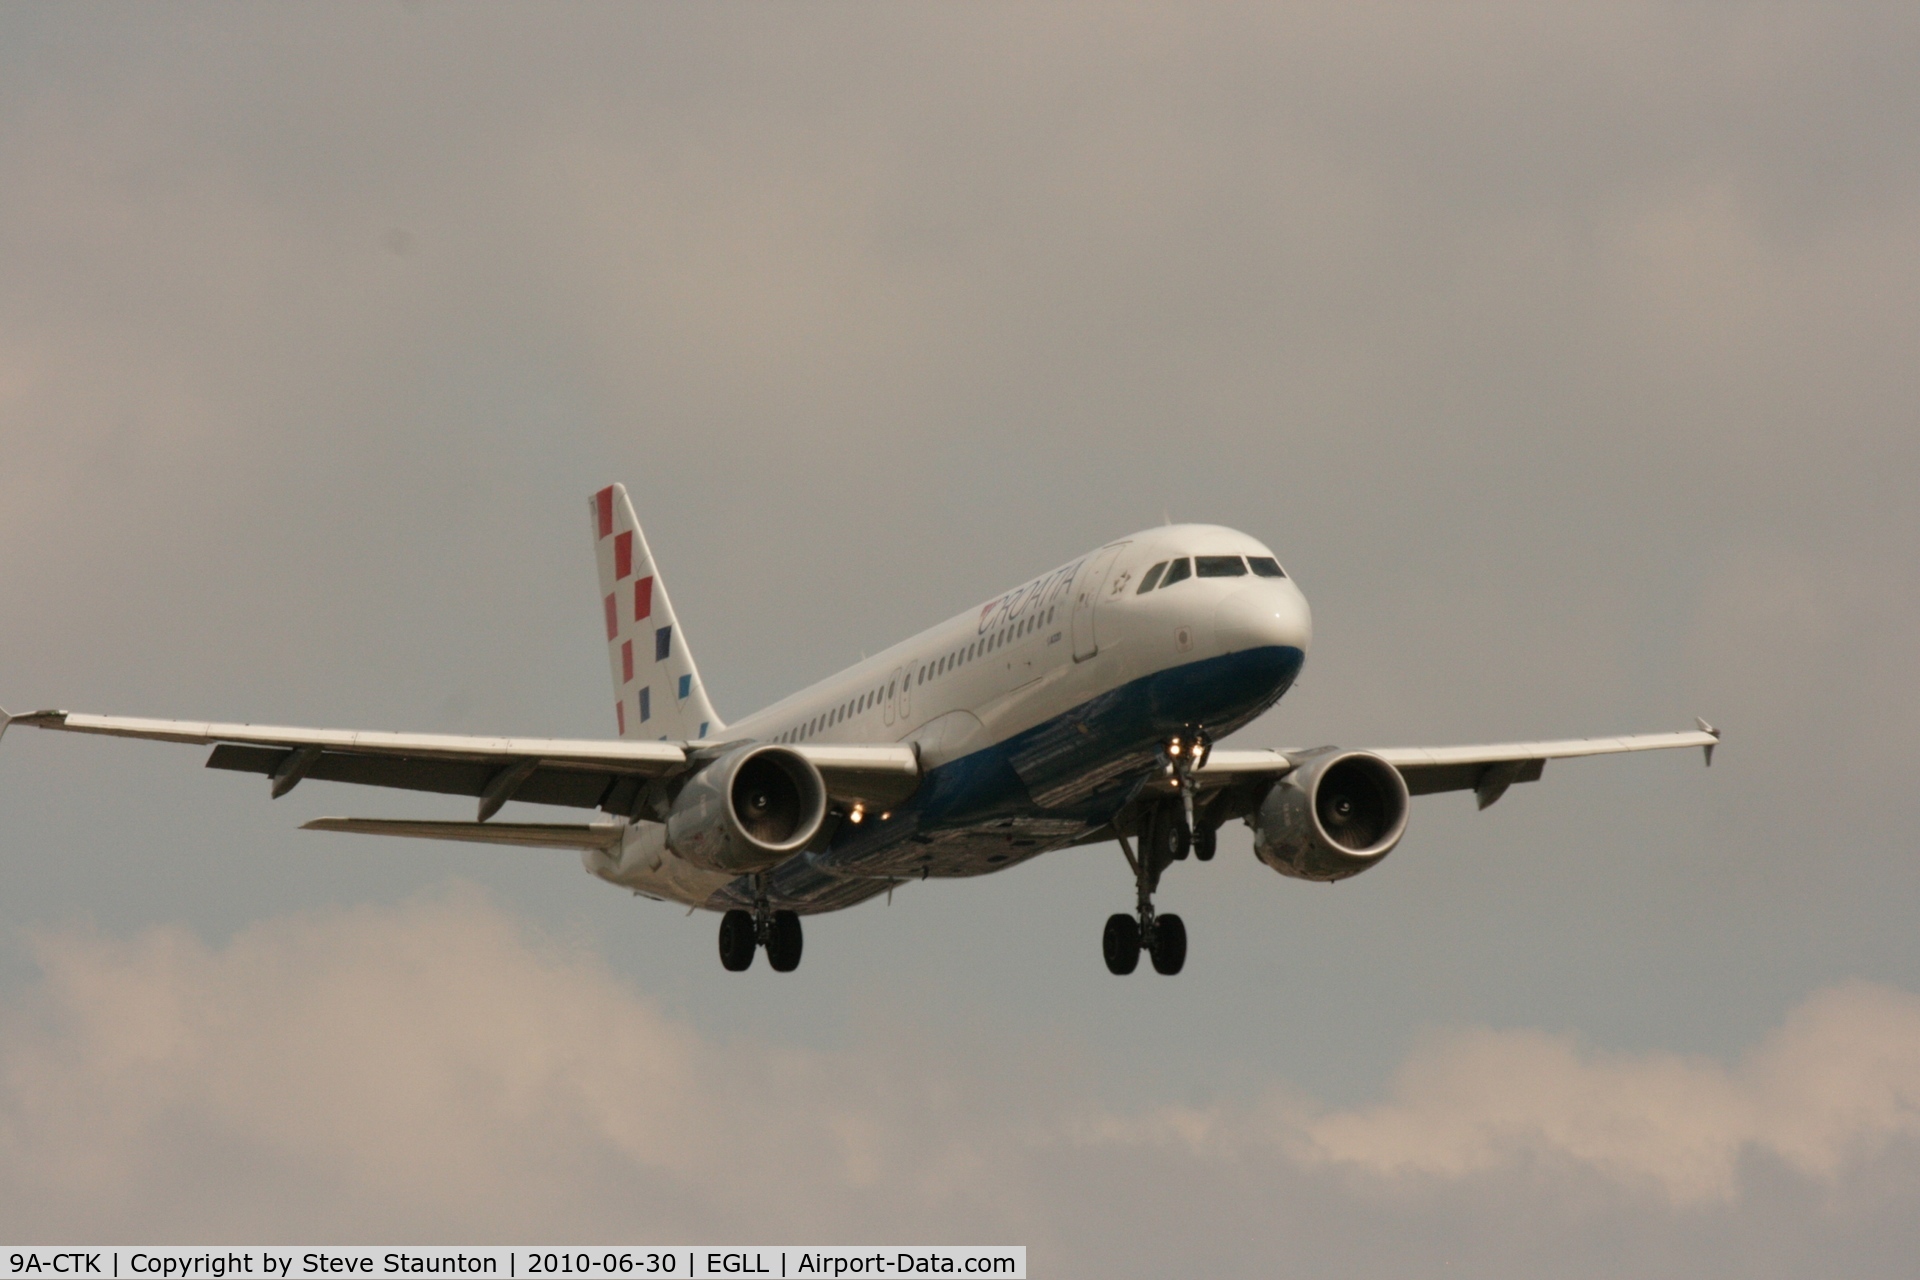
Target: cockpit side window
x=1221 y=566
x=1152 y=577
x=1266 y=566
x=1177 y=570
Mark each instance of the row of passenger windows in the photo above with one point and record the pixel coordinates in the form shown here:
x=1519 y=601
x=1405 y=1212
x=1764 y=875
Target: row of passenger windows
x=928 y=671
x=845 y=711
x=1005 y=635
x=1168 y=572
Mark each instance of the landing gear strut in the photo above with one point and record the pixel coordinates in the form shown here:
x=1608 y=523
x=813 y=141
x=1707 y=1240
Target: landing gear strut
x=1169 y=831
x=1162 y=937
x=743 y=932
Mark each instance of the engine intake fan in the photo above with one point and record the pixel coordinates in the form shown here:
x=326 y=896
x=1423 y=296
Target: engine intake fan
x=750 y=809
x=1332 y=817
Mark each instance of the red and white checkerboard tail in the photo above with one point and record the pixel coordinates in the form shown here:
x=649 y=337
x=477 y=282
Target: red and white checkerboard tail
x=656 y=686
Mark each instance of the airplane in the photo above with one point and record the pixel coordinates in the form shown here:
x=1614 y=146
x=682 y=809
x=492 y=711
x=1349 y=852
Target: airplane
x=1080 y=707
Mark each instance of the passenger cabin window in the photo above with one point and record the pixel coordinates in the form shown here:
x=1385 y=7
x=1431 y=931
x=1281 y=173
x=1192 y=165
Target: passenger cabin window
x=1221 y=566
x=1152 y=577
x=1266 y=566
x=1177 y=570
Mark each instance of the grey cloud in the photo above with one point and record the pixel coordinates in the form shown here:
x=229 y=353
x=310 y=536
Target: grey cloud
x=435 y=1070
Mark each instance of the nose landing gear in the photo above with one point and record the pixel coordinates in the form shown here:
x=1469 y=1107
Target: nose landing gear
x=744 y=932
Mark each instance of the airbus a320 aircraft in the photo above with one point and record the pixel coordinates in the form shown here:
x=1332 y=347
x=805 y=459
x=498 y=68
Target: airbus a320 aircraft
x=1079 y=707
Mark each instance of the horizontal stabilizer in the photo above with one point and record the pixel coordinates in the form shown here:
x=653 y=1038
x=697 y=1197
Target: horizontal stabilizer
x=528 y=835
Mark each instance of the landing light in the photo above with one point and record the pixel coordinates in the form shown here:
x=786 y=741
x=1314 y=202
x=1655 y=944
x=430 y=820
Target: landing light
x=859 y=812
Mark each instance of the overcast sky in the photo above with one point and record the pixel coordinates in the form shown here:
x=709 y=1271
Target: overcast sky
x=1565 y=354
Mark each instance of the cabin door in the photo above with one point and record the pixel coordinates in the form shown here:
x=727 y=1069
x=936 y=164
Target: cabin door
x=1086 y=596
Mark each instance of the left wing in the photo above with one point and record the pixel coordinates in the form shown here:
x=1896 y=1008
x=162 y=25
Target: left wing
x=612 y=776
x=1487 y=771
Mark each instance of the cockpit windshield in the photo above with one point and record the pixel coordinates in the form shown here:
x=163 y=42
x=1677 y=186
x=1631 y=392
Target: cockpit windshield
x=1168 y=572
x=1221 y=566
x=1266 y=566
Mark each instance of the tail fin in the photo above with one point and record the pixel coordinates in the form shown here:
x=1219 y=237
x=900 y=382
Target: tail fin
x=656 y=686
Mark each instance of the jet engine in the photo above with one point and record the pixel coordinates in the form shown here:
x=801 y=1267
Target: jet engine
x=753 y=807
x=1333 y=817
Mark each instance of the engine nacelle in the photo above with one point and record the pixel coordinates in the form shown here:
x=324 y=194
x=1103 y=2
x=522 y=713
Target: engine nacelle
x=1333 y=817
x=753 y=807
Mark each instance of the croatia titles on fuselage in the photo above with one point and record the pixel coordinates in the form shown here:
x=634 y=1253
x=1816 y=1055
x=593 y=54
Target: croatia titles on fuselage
x=1040 y=593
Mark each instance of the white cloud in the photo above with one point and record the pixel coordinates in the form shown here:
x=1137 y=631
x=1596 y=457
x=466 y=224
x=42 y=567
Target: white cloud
x=1840 y=1079
x=434 y=1071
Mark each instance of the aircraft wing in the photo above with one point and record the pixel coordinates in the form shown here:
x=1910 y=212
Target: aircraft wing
x=611 y=775
x=1487 y=771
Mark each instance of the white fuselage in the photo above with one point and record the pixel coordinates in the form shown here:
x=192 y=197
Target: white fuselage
x=1029 y=713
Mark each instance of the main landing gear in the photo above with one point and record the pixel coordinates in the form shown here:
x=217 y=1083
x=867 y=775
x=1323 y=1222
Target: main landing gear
x=1168 y=833
x=744 y=932
x=1164 y=839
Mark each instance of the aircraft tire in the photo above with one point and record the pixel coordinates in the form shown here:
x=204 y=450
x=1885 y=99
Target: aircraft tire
x=1167 y=835
x=1205 y=841
x=1121 y=944
x=784 y=942
x=1169 y=950
x=736 y=940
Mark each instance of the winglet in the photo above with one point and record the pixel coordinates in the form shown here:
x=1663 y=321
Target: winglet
x=45 y=719
x=1707 y=748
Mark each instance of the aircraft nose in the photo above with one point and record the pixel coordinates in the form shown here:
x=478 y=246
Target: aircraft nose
x=1264 y=615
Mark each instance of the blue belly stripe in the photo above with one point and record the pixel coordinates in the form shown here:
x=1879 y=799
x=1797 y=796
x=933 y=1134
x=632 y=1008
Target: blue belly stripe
x=1040 y=789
